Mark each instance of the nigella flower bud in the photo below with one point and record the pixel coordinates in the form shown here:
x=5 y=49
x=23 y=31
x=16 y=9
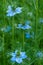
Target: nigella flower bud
x=39 y=54
x=41 y=20
x=27 y=22
x=6 y=29
x=27 y=35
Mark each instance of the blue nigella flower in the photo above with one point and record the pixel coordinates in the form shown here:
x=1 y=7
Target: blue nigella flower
x=26 y=27
x=39 y=54
x=27 y=35
x=18 y=10
x=7 y=29
x=10 y=12
x=16 y=58
x=23 y=27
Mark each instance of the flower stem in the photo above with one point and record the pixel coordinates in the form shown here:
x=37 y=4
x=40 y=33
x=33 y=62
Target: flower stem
x=23 y=41
x=3 y=43
x=13 y=34
x=36 y=24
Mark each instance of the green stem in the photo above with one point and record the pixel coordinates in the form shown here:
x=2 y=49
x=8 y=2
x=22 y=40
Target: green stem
x=23 y=40
x=3 y=43
x=36 y=24
x=13 y=34
x=39 y=62
x=3 y=50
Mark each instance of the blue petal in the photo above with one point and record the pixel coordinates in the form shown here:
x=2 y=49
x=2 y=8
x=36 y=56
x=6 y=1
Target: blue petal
x=26 y=27
x=13 y=59
x=14 y=53
x=23 y=55
x=11 y=13
x=19 y=26
x=19 y=60
x=9 y=9
x=18 y=10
